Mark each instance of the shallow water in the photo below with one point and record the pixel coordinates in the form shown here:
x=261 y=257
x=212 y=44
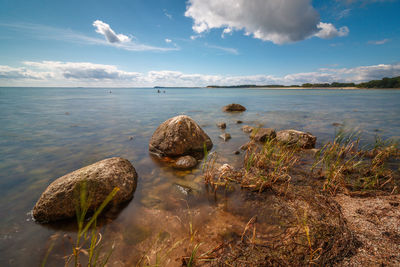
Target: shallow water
x=48 y=132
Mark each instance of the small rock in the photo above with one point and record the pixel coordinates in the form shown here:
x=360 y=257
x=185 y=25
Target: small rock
x=263 y=134
x=244 y=147
x=247 y=129
x=233 y=107
x=130 y=137
x=221 y=125
x=237 y=152
x=239 y=122
x=225 y=136
x=248 y=145
x=293 y=137
x=185 y=162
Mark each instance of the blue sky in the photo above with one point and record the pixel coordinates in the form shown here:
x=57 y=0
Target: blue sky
x=197 y=42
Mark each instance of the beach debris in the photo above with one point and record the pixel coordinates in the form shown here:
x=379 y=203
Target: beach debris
x=185 y=162
x=179 y=136
x=61 y=197
x=263 y=134
x=225 y=136
x=233 y=107
x=221 y=125
x=294 y=137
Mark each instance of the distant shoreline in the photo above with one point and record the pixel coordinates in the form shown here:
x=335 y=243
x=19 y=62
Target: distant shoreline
x=304 y=88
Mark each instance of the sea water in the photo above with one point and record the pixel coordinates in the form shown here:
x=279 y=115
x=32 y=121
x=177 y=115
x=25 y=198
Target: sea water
x=48 y=132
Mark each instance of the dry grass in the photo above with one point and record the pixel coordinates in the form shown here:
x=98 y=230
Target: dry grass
x=312 y=232
x=263 y=167
x=346 y=167
x=268 y=165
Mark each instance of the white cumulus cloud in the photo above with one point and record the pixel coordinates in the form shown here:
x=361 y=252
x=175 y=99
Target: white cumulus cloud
x=280 y=22
x=105 y=29
x=168 y=40
x=328 y=31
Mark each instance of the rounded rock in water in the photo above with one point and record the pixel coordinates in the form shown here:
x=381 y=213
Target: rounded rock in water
x=179 y=136
x=61 y=197
x=294 y=137
x=233 y=107
x=185 y=162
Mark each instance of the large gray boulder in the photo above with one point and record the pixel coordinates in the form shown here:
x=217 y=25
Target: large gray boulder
x=233 y=107
x=294 y=137
x=179 y=136
x=60 y=199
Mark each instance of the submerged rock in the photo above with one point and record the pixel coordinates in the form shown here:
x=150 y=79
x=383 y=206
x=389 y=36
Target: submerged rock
x=293 y=137
x=179 y=136
x=225 y=136
x=263 y=134
x=59 y=200
x=233 y=107
x=185 y=162
x=221 y=125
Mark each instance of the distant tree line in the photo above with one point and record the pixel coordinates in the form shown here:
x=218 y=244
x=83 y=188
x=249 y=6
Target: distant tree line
x=335 y=84
x=384 y=83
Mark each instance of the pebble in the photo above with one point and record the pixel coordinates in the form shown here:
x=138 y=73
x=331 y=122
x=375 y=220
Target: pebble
x=225 y=136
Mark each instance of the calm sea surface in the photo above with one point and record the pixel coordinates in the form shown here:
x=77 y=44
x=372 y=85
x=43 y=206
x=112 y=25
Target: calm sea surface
x=48 y=132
